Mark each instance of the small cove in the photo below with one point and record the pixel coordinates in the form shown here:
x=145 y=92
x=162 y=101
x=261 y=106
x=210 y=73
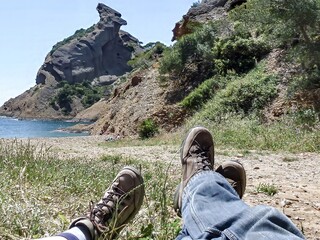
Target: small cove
x=24 y=128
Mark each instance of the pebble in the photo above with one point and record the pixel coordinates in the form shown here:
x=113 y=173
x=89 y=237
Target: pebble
x=285 y=202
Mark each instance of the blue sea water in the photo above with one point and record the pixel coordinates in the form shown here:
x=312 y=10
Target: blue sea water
x=16 y=128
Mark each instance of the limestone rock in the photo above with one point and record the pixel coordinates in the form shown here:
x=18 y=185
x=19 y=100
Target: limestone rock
x=207 y=10
x=100 y=50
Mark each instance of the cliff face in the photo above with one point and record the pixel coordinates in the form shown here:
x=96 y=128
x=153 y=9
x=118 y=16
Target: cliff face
x=98 y=54
x=148 y=98
x=206 y=11
x=102 y=50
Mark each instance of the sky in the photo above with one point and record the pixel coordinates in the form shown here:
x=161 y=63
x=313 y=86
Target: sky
x=30 y=28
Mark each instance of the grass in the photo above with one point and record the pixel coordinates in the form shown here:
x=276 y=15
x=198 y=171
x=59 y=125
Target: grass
x=248 y=133
x=267 y=188
x=41 y=193
x=160 y=139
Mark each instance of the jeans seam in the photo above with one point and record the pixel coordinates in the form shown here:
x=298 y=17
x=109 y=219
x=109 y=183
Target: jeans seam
x=194 y=215
x=229 y=234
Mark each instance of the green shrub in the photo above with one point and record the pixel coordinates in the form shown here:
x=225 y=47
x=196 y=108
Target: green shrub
x=274 y=21
x=204 y=92
x=243 y=95
x=210 y=55
x=193 y=47
x=144 y=60
x=305 y=81
x=85 y=91
x=238 y=54
x=267 y=188
x=306 y=117
x=89 y=99
x=195 y=4
x=64 y=96
x=148 y=128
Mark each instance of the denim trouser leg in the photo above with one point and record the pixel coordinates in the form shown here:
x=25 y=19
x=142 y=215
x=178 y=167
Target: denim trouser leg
x=211 y=209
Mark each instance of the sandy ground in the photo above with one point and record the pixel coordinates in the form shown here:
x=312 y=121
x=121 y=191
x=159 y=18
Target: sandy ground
x=296 y=176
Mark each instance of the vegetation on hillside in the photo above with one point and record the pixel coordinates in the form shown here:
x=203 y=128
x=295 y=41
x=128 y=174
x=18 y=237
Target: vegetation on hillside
x=153 y=51
x=293 y=25
x=87 y=93
x=233 y=86
x=213 y=53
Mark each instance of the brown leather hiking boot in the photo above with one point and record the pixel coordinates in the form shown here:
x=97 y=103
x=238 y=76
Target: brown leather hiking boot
x=234 y=172
x=196 y=154
x=118 y=206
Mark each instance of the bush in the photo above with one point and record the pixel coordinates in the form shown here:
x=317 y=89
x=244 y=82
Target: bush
x=85 y=91
x=207 y=55
x=148 y=128
x=204 y=92
x=238 y=54
x=306 y=117
x=194 y=47
x=274 y=21
x=305 y=81
x=195 y=4
x=143 y=60
x=242 y=95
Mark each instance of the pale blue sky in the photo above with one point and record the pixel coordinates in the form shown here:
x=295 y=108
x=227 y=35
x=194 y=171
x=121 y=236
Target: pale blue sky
x=29 y=29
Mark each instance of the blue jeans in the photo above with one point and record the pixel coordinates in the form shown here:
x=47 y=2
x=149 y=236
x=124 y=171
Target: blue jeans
x=211 y=209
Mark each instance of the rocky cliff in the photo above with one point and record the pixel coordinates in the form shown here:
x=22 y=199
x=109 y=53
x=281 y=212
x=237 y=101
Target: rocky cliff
x=97 y=54
x=102 y=50
x=207 y=10
x=144 y=96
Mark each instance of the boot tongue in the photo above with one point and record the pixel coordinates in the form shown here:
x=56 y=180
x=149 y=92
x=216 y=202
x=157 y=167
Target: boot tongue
x=195 y=150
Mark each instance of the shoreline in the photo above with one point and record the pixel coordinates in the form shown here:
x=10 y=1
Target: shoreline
x=34 y=128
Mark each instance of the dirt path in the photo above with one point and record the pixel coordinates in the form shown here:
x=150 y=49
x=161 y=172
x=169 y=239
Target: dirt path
x=296 y=176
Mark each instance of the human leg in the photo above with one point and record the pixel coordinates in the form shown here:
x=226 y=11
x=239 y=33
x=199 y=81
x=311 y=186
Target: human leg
x=232 y=171
x=118 y=206
x=212 y=208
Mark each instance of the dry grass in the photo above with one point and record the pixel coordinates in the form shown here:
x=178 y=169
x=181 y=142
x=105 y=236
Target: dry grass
x=41 y=194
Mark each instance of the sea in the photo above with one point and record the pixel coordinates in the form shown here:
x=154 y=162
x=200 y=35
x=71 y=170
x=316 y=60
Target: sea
x=21 y=128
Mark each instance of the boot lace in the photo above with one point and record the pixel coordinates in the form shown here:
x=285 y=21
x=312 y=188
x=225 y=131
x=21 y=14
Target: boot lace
x=103 y=212
x=201 y=155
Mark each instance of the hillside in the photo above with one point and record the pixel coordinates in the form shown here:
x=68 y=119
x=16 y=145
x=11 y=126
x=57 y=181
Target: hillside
x=232 y=61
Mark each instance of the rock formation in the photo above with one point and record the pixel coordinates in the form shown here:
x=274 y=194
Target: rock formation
x=102 y=50
x=98 y=54
x=207 y=10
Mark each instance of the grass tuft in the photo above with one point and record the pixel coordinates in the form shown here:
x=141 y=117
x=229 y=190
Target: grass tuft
x=267 y=188
x=41 y=194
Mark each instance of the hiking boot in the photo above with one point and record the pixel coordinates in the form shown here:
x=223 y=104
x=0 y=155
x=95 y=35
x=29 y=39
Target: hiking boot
x=118 y=206
x=235 y=174
x=196 y=154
